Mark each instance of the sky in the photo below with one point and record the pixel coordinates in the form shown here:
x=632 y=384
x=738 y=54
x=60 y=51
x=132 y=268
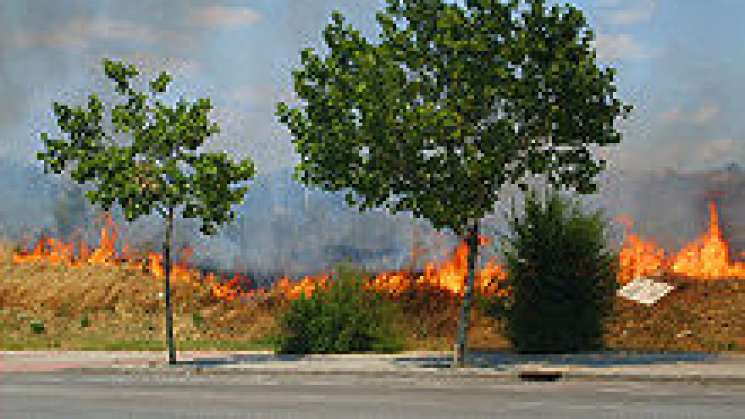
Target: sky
x=680 y=63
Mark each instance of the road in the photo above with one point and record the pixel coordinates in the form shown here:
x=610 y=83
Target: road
x=80 y=396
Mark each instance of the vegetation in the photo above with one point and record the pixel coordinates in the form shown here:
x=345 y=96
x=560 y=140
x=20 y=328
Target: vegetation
x=125 y=312
x=343 y=318
x=453 y=102
x=562 y=276
x=159 y=170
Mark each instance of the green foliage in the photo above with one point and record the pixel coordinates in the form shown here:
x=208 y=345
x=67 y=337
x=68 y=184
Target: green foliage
x=563 y=278
x=197 y=320
x=493 y=306
x=453 y=102
x=344 y=318
x=37 y=327
x=85 y=320
x=160 y=169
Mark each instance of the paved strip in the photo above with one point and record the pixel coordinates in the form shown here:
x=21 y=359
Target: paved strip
x=728 y=368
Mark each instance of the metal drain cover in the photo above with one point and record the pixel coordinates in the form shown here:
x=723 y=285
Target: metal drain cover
x=546 y=375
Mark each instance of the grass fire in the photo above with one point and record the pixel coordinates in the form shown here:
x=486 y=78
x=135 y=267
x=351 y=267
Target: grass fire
x=93 y=298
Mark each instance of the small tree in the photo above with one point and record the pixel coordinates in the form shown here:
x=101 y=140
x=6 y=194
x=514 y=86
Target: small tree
x=159 y=170
x=454 y=102
x=562 y=276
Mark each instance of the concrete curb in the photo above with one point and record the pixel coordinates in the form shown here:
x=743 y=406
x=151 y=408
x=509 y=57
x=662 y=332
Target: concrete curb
x=432 y=365
x=517 y=375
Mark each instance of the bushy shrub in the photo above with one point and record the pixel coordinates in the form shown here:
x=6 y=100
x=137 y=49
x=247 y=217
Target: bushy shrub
x=562 y=275
x=340 y=319
x=85 y=320
x=37 y=327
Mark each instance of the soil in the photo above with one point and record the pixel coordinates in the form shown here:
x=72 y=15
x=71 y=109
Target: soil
x=698 y=315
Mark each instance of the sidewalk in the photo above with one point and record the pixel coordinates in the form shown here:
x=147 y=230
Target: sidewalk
x=685 y=367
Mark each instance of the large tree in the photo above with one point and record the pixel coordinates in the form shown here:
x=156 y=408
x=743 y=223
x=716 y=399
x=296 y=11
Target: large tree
x=452 y=103
x=159 y=169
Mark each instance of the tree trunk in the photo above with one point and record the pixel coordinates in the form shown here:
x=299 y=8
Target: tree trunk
x=459 y=354
x=169 y=308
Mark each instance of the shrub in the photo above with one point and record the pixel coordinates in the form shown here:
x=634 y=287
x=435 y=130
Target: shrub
x=563 y=278
x=340 y=319
x=197 y=320
x=85 y=321
x=37 y=327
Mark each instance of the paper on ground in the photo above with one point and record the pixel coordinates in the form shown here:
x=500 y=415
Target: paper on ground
x=645 y=290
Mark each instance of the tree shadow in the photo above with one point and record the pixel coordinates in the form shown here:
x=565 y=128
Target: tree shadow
x=504 y=359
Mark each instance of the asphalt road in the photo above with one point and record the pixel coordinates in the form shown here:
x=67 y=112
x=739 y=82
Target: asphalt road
x=81 y=396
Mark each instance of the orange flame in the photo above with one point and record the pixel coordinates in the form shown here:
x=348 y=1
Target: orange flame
x=638 y=257
x=705 y=258
x=448 y=275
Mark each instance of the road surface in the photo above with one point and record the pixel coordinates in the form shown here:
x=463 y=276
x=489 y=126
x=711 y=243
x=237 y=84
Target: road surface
x=67 y=394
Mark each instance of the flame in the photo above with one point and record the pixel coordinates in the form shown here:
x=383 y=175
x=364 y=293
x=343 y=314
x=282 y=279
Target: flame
x=448 y=275
x=708 y=256
x=638 y=257
x=705 y=258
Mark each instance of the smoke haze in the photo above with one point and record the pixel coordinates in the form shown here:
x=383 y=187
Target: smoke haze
x=680 y=72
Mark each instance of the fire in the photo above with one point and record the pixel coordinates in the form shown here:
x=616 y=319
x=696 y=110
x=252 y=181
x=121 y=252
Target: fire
x=638 y=257
x=707 y=257
x=448 y=275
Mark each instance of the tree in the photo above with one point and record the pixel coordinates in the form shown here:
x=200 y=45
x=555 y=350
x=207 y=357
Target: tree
x=452 y=103
x=159 y=170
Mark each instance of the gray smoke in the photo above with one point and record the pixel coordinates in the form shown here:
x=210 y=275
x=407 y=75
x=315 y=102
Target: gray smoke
x=49 y=50
x=286 y=228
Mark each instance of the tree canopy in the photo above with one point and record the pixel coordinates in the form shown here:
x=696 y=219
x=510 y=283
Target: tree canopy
x=453 y=102
x=160 y=168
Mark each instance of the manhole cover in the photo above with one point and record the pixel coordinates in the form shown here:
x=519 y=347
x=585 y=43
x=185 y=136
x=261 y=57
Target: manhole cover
x=540 y=375
x=436 y=365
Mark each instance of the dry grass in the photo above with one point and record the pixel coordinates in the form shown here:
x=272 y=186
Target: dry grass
x=97 y=307
x=699 y=315
x=116 y=308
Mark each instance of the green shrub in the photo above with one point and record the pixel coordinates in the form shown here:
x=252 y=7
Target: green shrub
x=85 y=321
x=37 y=326
x=197 y=320
x=341 y=319
x=563 y=278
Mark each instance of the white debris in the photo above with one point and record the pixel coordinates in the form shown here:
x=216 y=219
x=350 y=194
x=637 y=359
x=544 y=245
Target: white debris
x=645 y=290
x=684 y=334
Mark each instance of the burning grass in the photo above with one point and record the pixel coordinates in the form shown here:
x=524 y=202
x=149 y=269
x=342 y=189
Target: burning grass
x=112 y=302
x=115 y=307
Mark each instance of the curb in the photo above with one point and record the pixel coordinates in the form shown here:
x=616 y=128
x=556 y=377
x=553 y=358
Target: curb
x=524 y=375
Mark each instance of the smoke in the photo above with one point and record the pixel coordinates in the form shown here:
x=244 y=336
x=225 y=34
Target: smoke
x=684 y=119
x=284 y=228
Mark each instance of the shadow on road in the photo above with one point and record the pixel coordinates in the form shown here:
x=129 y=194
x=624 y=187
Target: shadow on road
x=605 y=359
x=480 y=359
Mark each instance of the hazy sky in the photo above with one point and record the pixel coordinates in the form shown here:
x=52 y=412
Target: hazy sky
x=679 y=62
